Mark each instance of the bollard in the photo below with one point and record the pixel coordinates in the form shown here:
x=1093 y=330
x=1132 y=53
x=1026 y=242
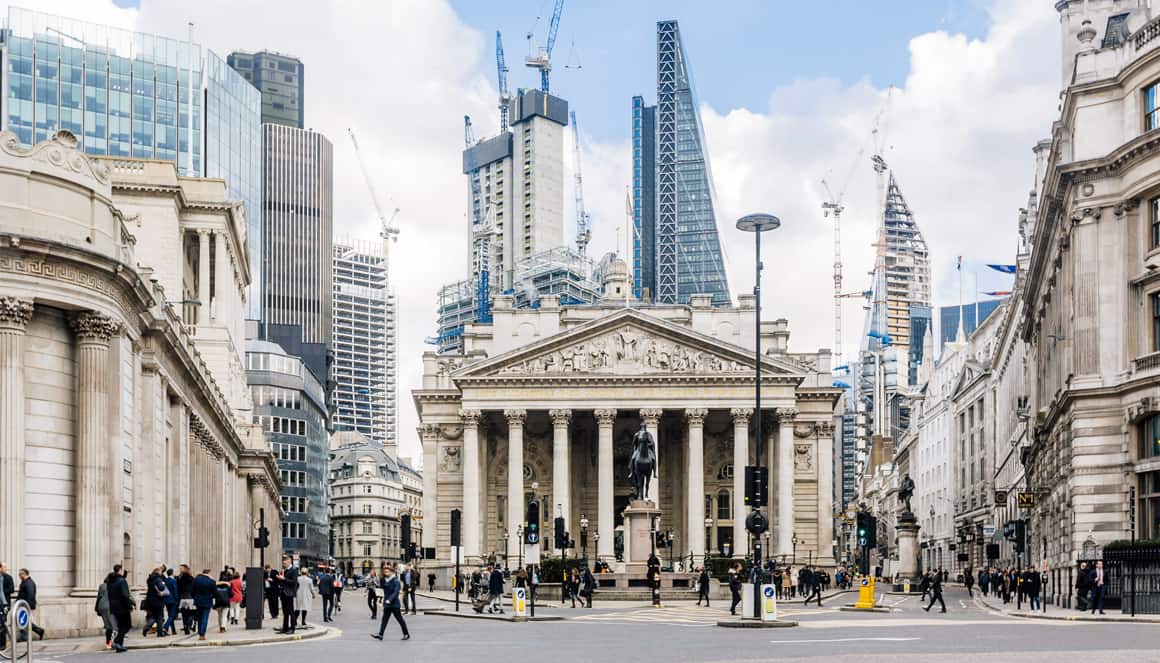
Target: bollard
x=21 y=625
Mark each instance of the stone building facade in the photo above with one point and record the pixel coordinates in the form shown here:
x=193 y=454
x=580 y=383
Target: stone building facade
x=124 y=432
x=367 y=496
x=558 y=392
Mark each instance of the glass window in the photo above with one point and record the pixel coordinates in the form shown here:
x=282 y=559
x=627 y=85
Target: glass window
x=1151 y=112
x=1154 y=221
x=724 y=505
x=1155 y=297
x=1150 y=437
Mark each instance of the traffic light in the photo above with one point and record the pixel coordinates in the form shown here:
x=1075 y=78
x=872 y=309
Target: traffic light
x=1020 y=536
x=263 y=538
x=756 y=485
x=405 y=532
x=455 y=527
x=756 y=523
x=560 y=534
x=1009 y=530
x=532 y=524
x=863 y=528
x=659 y=539
x=871 y=530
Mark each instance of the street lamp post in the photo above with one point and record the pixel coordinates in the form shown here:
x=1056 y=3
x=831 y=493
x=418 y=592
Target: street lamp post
x=520 y=544
x=756 y=522
x=584 y=537
x=794 y=541
x=506 y=563
x=708 y=539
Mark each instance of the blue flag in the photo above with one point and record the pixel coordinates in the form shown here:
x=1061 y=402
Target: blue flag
x=1006 y=269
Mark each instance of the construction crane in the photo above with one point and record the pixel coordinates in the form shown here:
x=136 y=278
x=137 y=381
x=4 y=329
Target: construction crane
x=501 y=71
x=541 y=58
x=582 y=232
x=388 y=230
x=480 y=233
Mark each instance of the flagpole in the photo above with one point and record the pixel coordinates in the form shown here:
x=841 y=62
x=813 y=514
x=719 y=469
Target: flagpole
x=976 y=273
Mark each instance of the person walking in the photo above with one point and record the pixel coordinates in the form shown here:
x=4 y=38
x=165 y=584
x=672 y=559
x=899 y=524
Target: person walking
x=968 y=580
x=373 y=595
x=984 y=580
x=102 y=609
x=430 y=582
x=734 y=588
x=204 y=589
x=1096 y=581
x=7 y=589
x=936 y=593
x=236 y=597
x=221 y=602
x=1032 y=588
x=185 y=598
x=155 y=592
x=170 y=600
x=339 y=585
x=703 y=586
x=811 y=587
x=288 y=584
x=589 y=581
x=787 y=583
x=326 y=591
x=391 y=605
x=494 y=580
x=120 y=605
x=574 y=586
x=924 y=585
x=273 y=590
x=27 y=593
x=305 y=596
x=412 y=587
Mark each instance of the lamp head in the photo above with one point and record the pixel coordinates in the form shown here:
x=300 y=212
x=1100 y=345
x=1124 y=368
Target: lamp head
x=759 y=222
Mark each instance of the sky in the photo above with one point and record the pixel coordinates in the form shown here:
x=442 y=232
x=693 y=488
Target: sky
x=960 y=91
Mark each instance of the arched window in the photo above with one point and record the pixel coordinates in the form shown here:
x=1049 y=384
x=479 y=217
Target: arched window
x=724 y=505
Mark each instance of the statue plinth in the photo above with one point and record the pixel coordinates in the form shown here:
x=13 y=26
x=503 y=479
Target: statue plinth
x=907 y=532
x=638 y=519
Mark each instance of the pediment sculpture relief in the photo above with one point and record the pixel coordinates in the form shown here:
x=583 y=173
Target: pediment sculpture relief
x=625 y=351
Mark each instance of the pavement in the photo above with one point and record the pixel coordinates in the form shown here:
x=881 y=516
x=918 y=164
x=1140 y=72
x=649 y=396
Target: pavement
x=683 y=632
x=1054 y=612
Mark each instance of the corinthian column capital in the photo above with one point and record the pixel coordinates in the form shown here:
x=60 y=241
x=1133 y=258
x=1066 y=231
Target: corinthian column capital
x=515 y=417
x=605 y=417
x=560 y=417
x=94 y=327
x=741 y=415
x=651 y=415
x=15 y=312
x=786 y=415
x=696 y=416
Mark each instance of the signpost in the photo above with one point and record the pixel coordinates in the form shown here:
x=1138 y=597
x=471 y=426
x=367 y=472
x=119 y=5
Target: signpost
x=1026 y=499
x=768 y=604
x=520 y=602
x=866 y=594
x=21 y=623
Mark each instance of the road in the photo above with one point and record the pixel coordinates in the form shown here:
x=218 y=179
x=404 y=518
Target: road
x=682 y=632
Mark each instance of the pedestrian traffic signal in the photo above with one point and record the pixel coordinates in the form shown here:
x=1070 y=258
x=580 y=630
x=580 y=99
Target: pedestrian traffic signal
x=560 y=533
x=756 y=485
x=405 y=531
x=1020 y=536
x=532 y=525
x=263 y=538
x=455 y=515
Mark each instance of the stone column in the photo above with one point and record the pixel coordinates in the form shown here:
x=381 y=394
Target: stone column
x=785 y=417
x=605 y=518
x=561 y=470
x=740 y=460
x=826 y=502
x=14 y=317
x=431 y=434
x=203 y=277
x=651 y=418
x=472 y=515
x=222 y=279
x=93 y=450
x=515 y=474
x=695 y=493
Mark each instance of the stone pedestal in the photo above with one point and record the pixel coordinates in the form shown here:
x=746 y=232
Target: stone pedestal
x=638 y=519
x=907 y=531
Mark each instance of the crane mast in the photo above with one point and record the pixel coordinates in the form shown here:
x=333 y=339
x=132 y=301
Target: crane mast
x=387 y=228
x=582 y=219
x=501 y=73
x=542 y=58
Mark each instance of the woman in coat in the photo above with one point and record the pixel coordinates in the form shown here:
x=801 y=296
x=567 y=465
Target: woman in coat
x=236 y=596
x=102 y=608
x=305 y=596
x=155 y=591
x=221 y=603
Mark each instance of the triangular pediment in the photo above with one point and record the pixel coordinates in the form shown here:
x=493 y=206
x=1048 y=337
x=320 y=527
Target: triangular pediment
x=628 y=343
x=970 y=373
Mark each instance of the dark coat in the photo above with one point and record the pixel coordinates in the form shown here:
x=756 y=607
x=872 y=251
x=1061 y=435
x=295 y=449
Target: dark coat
x=27 y=592
x=185 y=586
x=171 y=585
x=204 y=589
x=120 y=602
x=391 y=592
x=936 y=585
x=153 y=586
x=7 y=588
x=289 y=583
x=326 y=584
x=495 y=582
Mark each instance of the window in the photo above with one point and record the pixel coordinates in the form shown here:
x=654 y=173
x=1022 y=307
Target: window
x=1154 y=222
x=1151 y=112
x=367 y=527
x=1150 y=437
x=366 y=550
x=1155 y=297
x=724 y=505
x=1149 y=505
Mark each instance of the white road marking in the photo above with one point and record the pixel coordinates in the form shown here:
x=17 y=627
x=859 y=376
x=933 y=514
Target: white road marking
x=794 y=642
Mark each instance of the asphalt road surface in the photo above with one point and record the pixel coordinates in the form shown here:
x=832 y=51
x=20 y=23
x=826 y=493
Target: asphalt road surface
x=678 y=632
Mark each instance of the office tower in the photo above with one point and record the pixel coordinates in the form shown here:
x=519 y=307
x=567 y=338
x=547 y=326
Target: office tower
x=686 y=258
x=973 y=314
x=297 y=192
x=365 y=343
x=137 y=95
x=280 y=79
x=290 y=405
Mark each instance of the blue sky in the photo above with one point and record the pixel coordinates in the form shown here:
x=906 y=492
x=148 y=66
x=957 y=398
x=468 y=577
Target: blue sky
x=740 y=50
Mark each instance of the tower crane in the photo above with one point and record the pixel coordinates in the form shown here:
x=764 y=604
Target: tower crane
x=582 y=218
x=501 y=71
x=480 y=232
x=388 y=230
x=542 y=58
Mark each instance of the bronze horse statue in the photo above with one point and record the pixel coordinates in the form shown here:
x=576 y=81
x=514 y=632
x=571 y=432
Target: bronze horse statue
x=643 y=463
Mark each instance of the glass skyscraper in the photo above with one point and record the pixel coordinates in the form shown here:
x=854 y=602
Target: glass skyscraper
x=280 y=78
x=136 y=95
x=686 y=255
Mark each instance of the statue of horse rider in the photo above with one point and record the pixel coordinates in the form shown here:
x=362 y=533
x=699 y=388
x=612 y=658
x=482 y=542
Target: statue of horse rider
x=642 y=465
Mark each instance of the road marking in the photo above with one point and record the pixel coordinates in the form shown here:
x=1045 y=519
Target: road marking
x=794 y=642
x=962 y=604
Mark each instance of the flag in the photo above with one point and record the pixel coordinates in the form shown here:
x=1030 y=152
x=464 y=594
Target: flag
x=959 y=264
x=1006 y=269
x=998 y=293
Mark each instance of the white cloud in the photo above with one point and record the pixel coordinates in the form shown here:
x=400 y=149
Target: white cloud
x=403 y=73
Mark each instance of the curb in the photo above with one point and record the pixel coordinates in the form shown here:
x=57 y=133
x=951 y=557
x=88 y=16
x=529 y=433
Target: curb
x=1069 y=618
x=264 y=640
x=496 y=618
x=850 y=608
x=755 y=623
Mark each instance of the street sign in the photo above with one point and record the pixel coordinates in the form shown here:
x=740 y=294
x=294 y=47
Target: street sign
x=768 y=604
x=520 y=601
x=23 y=616
x=988 y=530
x=1000 y=497
x=1026 y=499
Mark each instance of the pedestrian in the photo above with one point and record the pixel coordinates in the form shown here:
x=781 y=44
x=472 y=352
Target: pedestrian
x=221 y=602
x=102 y=609
x=120 y=605
x=1096 y=581
x=171 y=601
x=1081 y=587
x=703 y=586
x=574 y=586
x=185 y=598
x=273 y=590
x=1033 y=587
x=155 y=592
x=391 y=605
x=968 y=580
x=984 y=580
x=924 y=585
x=811 y=587
x=326 y=591
x=236 y=596
x=653 y=576
x=430 y=581
x=373 y=592
x=339 y=585
x=494 y=579
x=288 y=584
x=204 y=590
x=521 y=578
x=305 y=596
x=735 y=587
x=27 y=593
x=787 y=583
x=936 y=593
x=589 y=581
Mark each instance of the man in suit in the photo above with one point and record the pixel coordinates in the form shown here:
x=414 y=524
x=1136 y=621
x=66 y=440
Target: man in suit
x=811 y=586
x=27 y=592
x=410 y=586
x=273 y=590
x=326 y=589
x=936 y=593
x=1096 y=582
x=288 y=584
x=7 y=589
x=391 y=604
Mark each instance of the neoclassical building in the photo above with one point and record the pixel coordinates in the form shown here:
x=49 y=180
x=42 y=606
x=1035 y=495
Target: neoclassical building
x=367 y=496
x=558 y=392
x=124 y=416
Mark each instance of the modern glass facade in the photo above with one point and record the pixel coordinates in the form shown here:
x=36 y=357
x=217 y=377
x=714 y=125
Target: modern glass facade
x=280 y=79
x=644 y=127
x=688 y=257
x=290 y=405
x=973 y=314
x=365 y=343
x=136 y=95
